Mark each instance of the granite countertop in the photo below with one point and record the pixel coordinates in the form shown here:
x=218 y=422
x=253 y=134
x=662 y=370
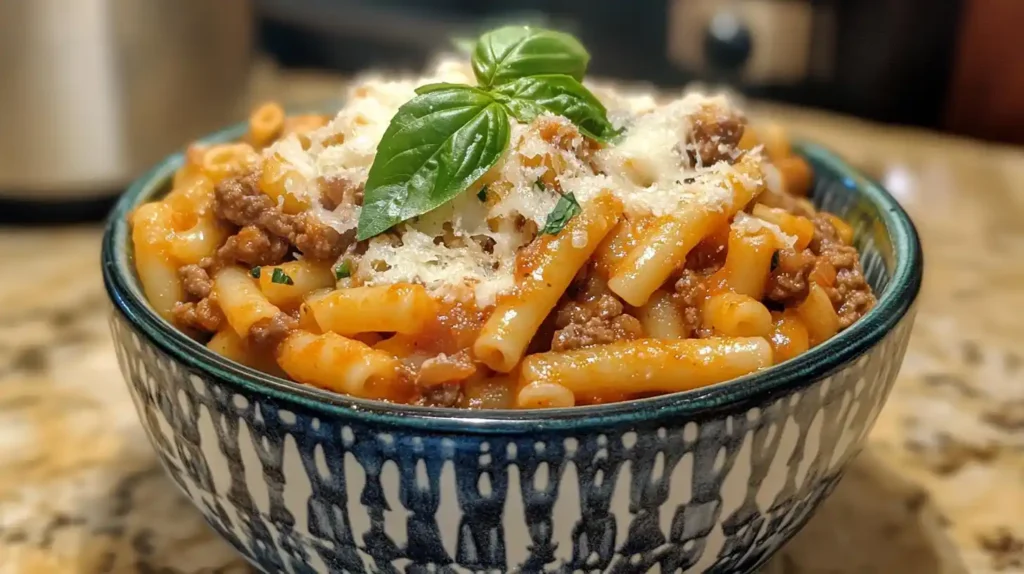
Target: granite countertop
x=937 y=490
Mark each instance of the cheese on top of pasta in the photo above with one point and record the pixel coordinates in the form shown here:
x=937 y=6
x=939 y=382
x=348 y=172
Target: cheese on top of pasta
x=472 y=241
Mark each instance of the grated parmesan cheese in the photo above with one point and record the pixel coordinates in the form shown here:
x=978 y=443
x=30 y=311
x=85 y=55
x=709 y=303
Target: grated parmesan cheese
x=751 y=225
x=471 y=244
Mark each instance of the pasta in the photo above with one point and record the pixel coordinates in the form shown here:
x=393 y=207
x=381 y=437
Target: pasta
x=305 y=278
x=648 y=365
x=670 y=239
x=660 y=317
x=549 y=269
x=151 y=226
x=333 y=362
x=735 y=315
x=573 y=272
x=395 y=308
x=241 y=300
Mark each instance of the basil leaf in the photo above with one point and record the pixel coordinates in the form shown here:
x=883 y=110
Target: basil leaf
x=514 y=52
x=559 y=94
x=437 y=144
x=566 y=208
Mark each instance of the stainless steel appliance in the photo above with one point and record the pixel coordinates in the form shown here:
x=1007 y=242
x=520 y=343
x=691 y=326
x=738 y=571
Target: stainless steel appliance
x=884 y=59
x=95 y=91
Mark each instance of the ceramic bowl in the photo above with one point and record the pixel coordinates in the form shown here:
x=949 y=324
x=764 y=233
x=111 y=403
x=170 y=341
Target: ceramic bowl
x=712 y=480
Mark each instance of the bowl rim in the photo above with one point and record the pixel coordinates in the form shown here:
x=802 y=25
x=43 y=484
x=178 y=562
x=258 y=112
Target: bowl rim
x=737 y=394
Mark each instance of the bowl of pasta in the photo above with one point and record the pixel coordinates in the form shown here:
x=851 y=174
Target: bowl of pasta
x=501 y=319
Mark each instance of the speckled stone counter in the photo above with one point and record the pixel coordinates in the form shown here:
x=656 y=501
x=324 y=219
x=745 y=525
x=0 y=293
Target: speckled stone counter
x=939 y=489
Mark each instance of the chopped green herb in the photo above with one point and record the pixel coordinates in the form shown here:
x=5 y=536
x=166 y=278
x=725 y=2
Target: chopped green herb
x=281 y=277
x=566 y=208
x=775 y=260
x=343 y=270
x=255 y=272
x=482 y=194
x=539 y=185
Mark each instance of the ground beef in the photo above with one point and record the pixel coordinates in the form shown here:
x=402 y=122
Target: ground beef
x=196 y=281
x=851 y=295
x=253 y=246
x=788 y=282
x=204 y=316
x=240 y=201
x=266 y=334
x=716 y=134
x=319 y=241
x=598 y=321
x=790 y=279
x=335 y=191
x=444 y=395
x=690 y=293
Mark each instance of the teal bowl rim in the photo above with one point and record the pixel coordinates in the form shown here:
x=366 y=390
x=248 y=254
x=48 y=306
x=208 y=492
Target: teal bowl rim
x=730 y=396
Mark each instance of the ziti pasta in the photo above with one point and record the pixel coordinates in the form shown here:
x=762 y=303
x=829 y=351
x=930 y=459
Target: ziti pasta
x=498 y=235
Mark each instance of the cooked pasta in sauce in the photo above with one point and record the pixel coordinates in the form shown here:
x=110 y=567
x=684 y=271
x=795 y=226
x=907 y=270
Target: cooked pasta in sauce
x=694 y=257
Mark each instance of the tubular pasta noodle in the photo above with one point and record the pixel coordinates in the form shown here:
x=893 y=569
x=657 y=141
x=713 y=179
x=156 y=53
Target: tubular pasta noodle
x=199 y=241
x=229 y=345
x=796 y=175
x=617 y=245
x=735 y=315
x=332 y=362
x=282 y=185
x=664 y=247
x=266 y=123
x=798 y=226
x=241 y=300
x=748 y=262
x=660 y=318
x=151 y=226
x=544 y=395
x=228 y=160
x=306 y=277
x=551 y=267
x=648 y=365
x=818 y=315
x=399 y=308
x=789 y=336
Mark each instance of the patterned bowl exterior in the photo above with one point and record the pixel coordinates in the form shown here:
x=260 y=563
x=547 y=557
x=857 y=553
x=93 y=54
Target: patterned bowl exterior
x=714 y=480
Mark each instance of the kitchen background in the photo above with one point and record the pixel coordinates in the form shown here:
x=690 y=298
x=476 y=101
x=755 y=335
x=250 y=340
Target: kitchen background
x=96 y=90
x=927 y=96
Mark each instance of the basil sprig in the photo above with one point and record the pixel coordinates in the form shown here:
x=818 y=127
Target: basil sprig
x=450 y=135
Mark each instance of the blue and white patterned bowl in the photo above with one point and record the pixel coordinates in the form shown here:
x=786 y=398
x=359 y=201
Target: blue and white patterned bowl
x=713 y=480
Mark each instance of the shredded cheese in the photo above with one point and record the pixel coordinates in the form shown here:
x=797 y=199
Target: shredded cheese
x=751 y=225
x=472 y=244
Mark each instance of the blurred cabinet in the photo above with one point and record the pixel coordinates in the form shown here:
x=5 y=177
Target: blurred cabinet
x=987 y=89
